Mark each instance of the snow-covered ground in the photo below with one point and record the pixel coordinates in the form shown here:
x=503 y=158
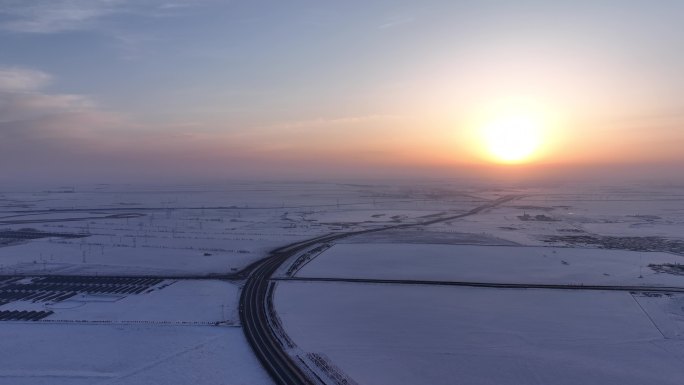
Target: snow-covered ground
x=195 y=230
x=43 y=353
x=579 y=210
x=501 y=264
x=188 y=330
x=395 y=334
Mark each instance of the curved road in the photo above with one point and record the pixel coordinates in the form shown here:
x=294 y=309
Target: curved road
x=254 y=300
x=255 y=320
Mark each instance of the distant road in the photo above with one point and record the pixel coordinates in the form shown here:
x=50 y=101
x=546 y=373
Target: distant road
x=255 y=299
x=496 y=285
x=73 y=219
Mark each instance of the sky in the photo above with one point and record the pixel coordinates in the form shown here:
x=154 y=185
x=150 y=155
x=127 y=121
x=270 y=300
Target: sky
x=139 y=90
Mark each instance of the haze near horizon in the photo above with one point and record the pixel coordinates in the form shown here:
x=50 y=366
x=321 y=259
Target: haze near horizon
x=159 y=90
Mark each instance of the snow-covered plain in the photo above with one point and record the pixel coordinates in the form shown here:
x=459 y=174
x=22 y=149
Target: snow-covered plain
x=395 y=334
x=500 y=264
x=195 y=230
x=639 y=211
x=188 y=331
x=43 y=353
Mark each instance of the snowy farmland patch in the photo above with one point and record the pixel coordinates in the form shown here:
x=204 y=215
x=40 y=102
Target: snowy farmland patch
x=58 y=354
x=381 y=334
x=501 y=264
x=122 y=256
x=541 y=214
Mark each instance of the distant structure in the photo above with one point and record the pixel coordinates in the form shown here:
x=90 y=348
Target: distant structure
x=538 y=217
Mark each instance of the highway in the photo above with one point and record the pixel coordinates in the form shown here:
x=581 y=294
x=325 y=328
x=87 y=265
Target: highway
x=255 y=298
x=254 y=318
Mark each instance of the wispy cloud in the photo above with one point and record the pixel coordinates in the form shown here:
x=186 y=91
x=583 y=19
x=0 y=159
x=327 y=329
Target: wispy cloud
x=51 y=16
x=396 y=21
x=322 y=123
x=15 y=79
x=46 y=136
x=28 y=112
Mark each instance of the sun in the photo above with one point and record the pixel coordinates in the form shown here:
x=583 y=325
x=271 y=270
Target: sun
x=512 y=138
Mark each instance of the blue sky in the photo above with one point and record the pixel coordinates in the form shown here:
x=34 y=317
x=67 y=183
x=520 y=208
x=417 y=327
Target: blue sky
x=264 y=87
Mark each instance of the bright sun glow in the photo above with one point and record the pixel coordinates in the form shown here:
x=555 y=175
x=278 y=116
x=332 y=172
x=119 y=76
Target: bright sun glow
x=512 y=138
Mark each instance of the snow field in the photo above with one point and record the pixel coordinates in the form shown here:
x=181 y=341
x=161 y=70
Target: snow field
x=394 y=334
x=500 y=264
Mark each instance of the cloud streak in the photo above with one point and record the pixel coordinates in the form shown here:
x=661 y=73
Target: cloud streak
x=396 y=21
x=34 y=122
x=22 y=96
x=54 y=16
x=14 y=79
x=54 y=137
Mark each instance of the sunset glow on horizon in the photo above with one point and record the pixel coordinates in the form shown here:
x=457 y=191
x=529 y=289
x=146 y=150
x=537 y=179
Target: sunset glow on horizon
x=94 y=89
